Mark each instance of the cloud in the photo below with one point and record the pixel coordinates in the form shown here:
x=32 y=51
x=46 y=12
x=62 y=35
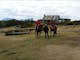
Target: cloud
x=36 y=9
x=39 y=0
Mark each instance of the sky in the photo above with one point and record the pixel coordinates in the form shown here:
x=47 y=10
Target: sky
x=25 y=9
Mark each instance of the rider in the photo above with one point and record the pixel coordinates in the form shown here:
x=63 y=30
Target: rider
x=37 y=23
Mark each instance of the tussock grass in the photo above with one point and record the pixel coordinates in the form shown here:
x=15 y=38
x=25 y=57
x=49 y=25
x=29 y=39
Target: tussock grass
x=63 y=46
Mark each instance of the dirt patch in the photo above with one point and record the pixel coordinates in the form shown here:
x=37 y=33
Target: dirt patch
x=60 y=52
x=72 y=41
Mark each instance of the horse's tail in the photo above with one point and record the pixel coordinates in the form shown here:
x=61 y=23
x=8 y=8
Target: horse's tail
x=55 y=30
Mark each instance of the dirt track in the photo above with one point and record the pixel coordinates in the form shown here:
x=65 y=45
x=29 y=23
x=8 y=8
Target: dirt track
x=60 y=52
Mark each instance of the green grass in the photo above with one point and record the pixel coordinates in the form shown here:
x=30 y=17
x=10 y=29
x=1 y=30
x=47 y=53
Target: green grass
x=63 y=46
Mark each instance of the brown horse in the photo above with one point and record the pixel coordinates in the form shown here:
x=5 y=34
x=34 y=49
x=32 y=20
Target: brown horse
x=53 y=29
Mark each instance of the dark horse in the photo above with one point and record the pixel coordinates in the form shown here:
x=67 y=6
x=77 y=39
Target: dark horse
x=46 y=29
x=41 y=28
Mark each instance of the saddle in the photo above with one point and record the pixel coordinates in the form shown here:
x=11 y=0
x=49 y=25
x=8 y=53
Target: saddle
x=39 y=28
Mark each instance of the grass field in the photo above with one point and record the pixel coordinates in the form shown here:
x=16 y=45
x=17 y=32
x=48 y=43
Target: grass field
x=63 y=46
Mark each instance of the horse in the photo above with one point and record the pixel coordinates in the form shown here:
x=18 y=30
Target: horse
x=41 y=28
x=38 y=30
x=46 y=29
x=53 y=29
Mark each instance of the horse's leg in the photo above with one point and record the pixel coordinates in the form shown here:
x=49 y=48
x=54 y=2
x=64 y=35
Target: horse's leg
x=54 y=31
x=40 y=33
x=53 y=34
x=37 y=33
x=47 y=34
x=44 y=34
x=50 y=33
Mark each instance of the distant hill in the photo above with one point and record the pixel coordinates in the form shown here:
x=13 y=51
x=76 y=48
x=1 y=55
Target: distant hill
x=6 y=18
